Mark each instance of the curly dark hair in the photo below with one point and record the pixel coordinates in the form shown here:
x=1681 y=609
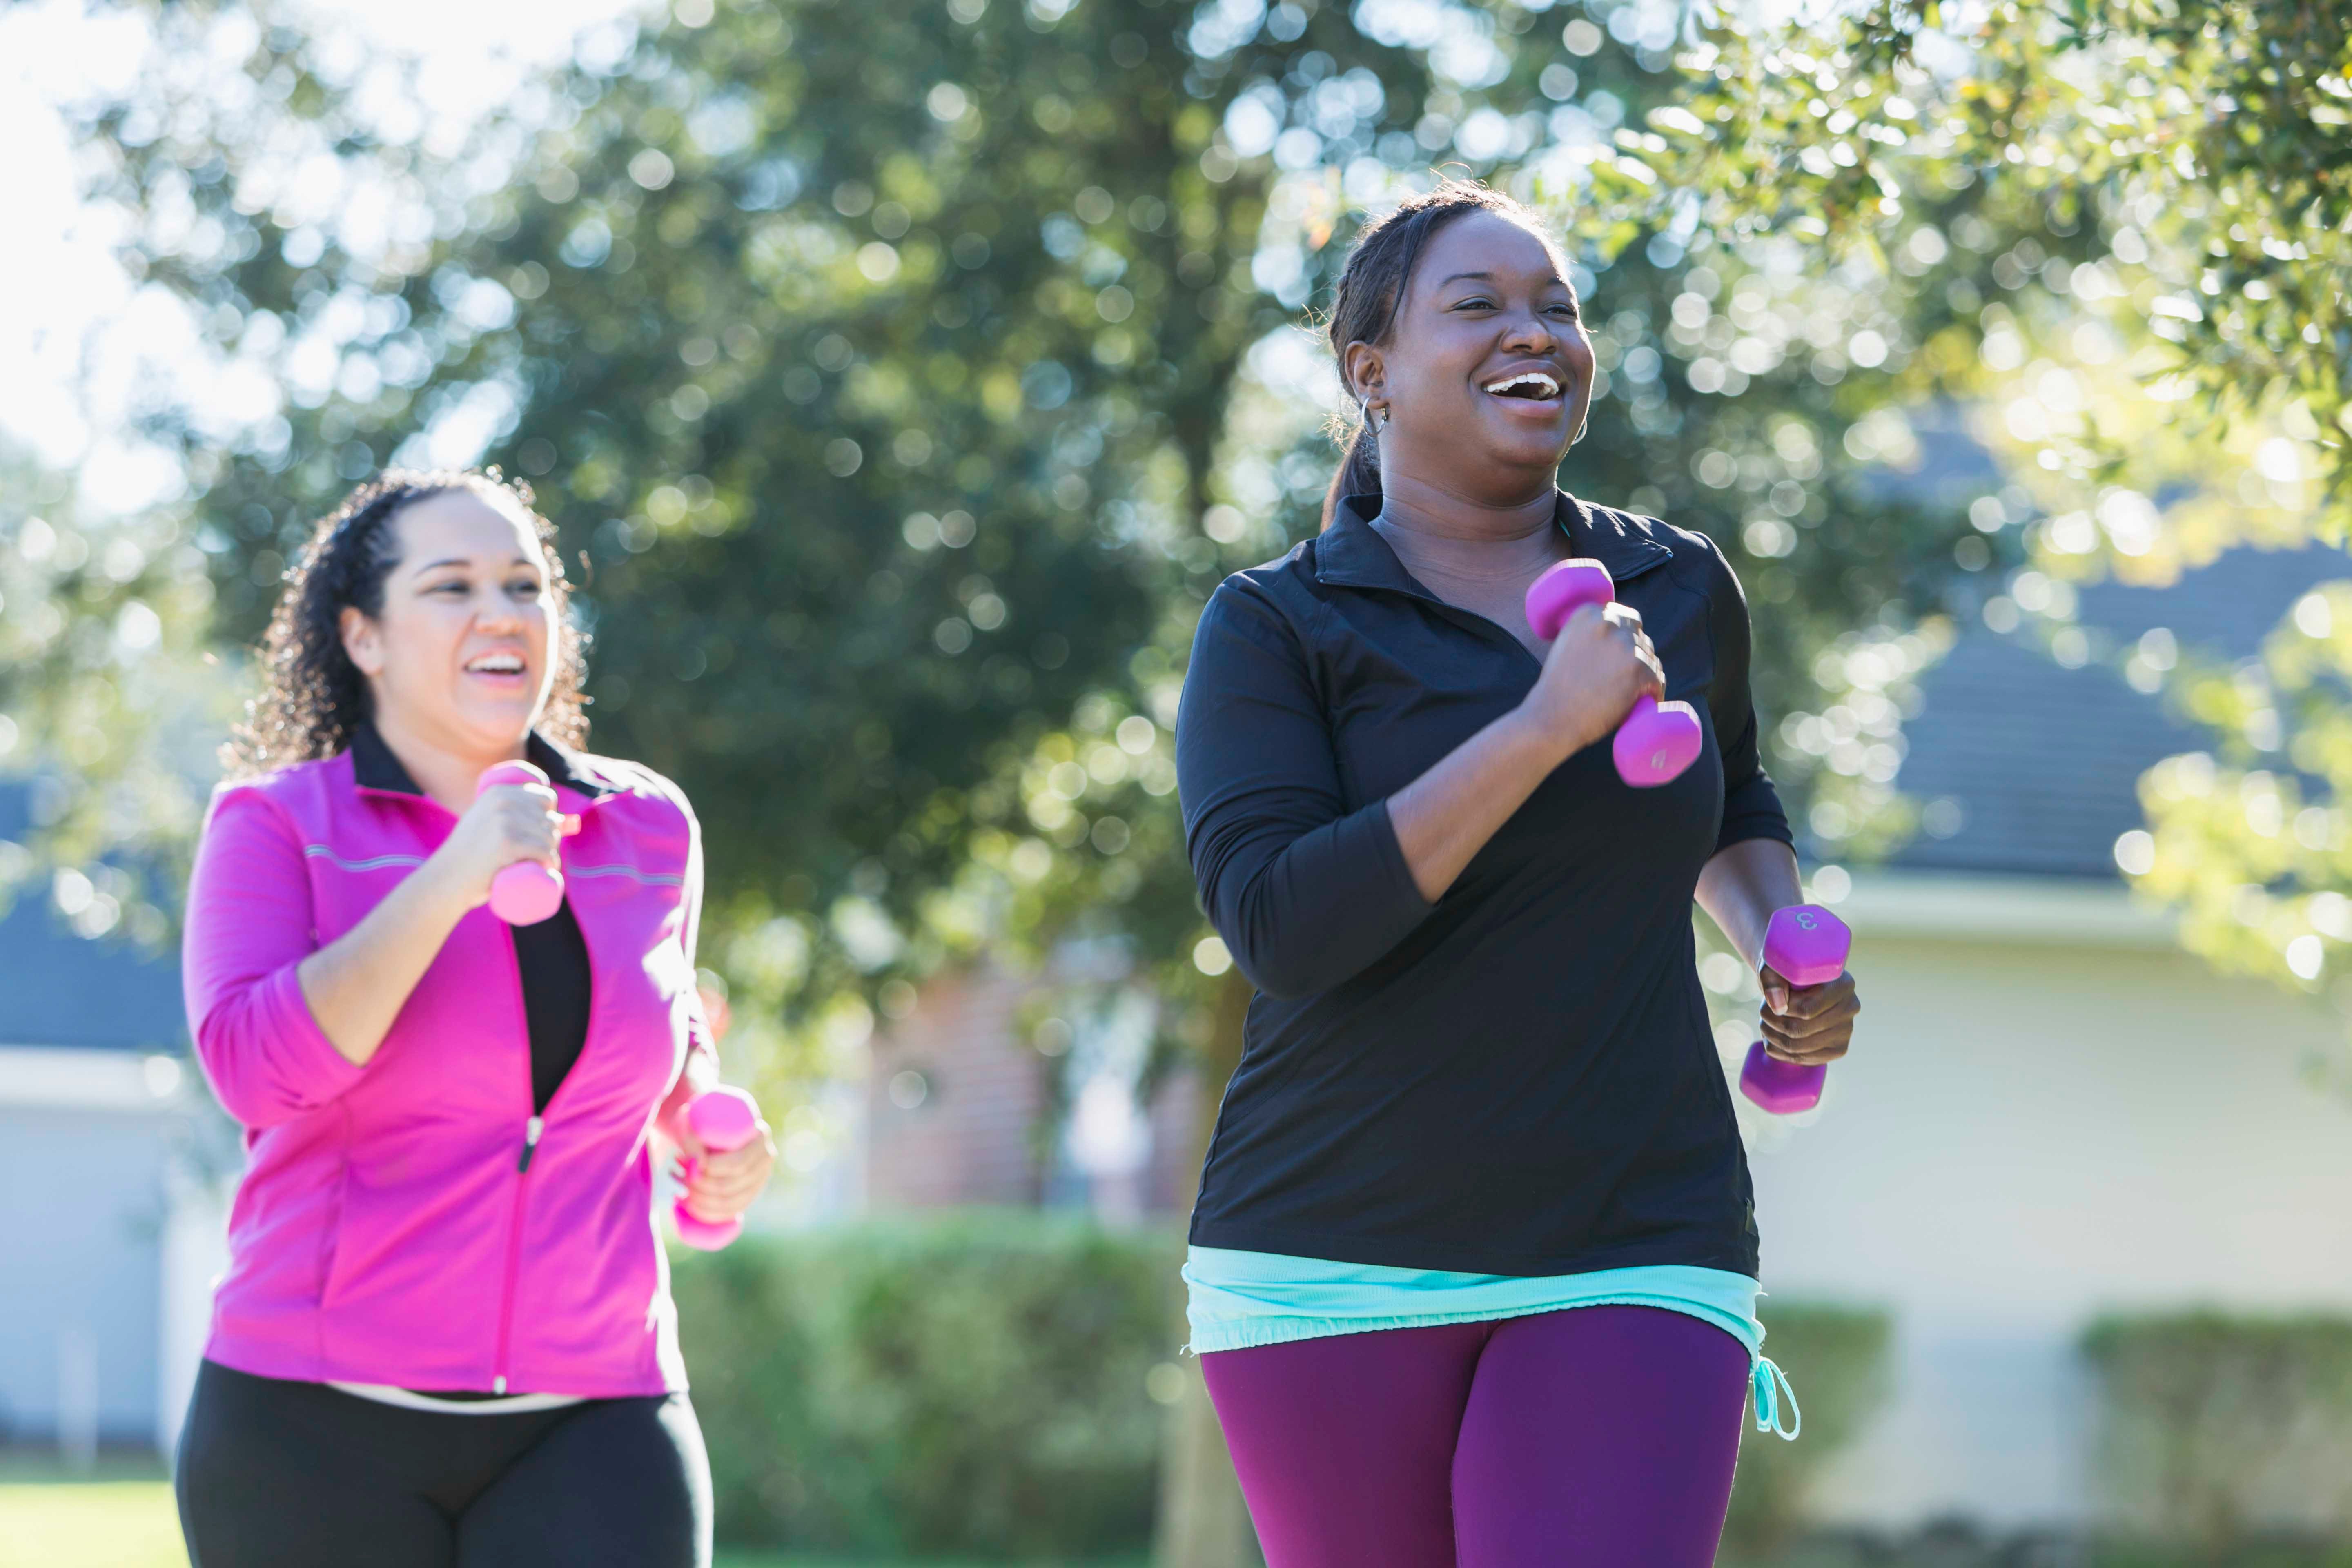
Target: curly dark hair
x=1371 y=288
x=315 y=697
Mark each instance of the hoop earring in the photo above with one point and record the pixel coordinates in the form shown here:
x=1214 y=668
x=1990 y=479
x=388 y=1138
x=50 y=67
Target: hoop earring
x=1376 y=424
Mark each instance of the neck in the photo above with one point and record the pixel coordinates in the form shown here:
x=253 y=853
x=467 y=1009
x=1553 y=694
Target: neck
x=1470 y=535
x=444 y=769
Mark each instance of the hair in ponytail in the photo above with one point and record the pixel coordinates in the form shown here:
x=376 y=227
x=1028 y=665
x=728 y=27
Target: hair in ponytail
x=1371 y=288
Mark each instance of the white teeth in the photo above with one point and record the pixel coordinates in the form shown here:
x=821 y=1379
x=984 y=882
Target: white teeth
x=1549 y=387
x=496 y=664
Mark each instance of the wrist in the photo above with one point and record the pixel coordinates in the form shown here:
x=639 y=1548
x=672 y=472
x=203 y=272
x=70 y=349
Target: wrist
x=440 y=892
x=1543 y=739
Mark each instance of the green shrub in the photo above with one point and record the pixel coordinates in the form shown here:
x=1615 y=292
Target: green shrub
x=970 y=1383
x=1836 y=1359
x=2214 y=1428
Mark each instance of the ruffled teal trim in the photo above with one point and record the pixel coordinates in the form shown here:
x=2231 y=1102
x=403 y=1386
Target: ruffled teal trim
x=1246 y=1301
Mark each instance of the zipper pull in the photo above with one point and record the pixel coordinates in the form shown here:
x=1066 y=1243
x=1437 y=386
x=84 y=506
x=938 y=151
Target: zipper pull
x=530 y=1141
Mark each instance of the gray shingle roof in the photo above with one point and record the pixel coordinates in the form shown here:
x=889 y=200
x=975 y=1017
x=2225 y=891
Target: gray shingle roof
x=2045 y=761
x=59 y=989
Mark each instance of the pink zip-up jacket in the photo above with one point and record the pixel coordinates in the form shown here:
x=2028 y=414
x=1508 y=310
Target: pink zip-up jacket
x=410 y=1222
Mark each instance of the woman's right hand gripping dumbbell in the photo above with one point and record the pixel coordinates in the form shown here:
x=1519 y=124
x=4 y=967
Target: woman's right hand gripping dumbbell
x=507 y=824
x=1595 y=670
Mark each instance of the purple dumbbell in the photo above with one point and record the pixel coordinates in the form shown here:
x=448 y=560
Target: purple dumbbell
x=1658 y=740
x=1805 y=945
x=725 y=1118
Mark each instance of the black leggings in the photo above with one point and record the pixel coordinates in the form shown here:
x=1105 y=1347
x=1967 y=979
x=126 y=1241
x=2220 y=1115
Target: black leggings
x=288 y=1475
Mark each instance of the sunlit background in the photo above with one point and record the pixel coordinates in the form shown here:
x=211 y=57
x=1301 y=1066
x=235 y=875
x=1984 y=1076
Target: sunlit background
x=902 y=378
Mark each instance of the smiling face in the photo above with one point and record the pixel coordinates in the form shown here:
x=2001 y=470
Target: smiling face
x=1486 y=374
x=457 y=656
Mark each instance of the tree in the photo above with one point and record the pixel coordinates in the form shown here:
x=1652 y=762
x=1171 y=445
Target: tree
x=103 y=698
x=876 y=421
x=2192 y=155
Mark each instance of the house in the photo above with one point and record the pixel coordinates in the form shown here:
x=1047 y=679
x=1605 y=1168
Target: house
x=110 y=1159
x=2051 y=1113
x=965 y=1104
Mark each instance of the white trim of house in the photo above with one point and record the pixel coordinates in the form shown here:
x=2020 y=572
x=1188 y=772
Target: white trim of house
x=79 y=1078
x=2060 y=910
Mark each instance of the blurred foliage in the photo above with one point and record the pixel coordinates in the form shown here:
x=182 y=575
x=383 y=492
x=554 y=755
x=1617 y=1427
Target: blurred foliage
x=1837 y=1360
x=880 y=424
x=2217 y=1429
x=104 y=698
x=907 y=379
x=969 y=1384
x=2204 y=139
x=2252 y=845
x=2159 y=366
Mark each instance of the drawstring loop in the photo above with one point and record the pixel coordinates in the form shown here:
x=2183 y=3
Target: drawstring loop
x=1771 y=1386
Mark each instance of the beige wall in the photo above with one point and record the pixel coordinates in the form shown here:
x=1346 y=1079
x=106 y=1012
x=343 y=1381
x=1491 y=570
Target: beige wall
x=2031 y=1130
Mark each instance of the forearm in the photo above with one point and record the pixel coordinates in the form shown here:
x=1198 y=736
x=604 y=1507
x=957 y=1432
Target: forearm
x=698 y=1076
x=1446 y=815
x=356 y=985
x=1741 y=887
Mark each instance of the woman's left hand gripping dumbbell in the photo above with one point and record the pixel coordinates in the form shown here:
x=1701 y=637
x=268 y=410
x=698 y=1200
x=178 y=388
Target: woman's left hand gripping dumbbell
x=1810 y=1026
x=720 y=1184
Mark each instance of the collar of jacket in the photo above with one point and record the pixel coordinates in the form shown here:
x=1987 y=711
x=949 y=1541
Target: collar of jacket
x=1351 y=553
x=374 y=767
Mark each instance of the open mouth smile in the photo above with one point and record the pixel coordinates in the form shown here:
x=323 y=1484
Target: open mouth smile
x=495 y=664
x=1528 y=386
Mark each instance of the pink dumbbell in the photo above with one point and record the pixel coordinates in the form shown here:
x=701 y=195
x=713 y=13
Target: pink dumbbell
x=725 y=1120
x=1658 y=740
x=1806 y=945
x=528 y=891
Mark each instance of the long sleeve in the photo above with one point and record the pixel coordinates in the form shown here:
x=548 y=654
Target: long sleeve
x=248 y=928
x=1752 y=806
x=1306 y=893
x=701 y=1036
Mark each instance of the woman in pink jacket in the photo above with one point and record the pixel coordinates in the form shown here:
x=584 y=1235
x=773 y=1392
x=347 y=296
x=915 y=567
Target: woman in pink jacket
x=446 y=1334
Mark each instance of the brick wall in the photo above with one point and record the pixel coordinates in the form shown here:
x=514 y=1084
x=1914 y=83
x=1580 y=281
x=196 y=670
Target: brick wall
x=954 y=1100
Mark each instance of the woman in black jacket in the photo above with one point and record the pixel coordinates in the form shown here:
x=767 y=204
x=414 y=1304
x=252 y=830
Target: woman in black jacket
x=1474 y=1263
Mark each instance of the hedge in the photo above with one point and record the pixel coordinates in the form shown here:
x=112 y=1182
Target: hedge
x=975 y=1383
x=971 y=1384
x=2217 y=1429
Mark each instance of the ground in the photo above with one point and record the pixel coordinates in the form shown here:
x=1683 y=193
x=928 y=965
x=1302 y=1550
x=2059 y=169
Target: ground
x=122 y=1517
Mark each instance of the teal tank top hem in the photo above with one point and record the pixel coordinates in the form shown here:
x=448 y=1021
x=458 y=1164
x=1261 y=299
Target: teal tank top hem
x=1244 y=1300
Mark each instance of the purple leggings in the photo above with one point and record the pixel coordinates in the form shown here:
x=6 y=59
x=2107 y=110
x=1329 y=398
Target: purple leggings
x=1601 y=1437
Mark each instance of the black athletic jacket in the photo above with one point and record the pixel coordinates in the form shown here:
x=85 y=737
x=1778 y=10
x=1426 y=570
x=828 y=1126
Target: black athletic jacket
x=1516 y=1080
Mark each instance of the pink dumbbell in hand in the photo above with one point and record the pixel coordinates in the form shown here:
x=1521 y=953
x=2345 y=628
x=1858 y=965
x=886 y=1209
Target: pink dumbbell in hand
x=1658 y=740
x=725 y=1118
x=528 y=891
x=1805 y=945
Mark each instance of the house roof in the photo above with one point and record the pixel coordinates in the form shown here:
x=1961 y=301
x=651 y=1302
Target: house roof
x=2044 y=761
x=59 y=989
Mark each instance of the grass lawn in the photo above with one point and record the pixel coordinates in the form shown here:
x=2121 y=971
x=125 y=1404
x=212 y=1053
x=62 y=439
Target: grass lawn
x=123 y=1516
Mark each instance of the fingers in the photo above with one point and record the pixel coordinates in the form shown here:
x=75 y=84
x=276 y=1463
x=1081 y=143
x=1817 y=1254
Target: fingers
x=1811 y=1001
x=1810 y=1024
x=1625 y=622
x=721 y=1186
x=529 y=822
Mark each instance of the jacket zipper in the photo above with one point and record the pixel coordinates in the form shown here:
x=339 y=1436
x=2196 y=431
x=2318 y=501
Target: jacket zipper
x=531 y=1131
x=501 y=1365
